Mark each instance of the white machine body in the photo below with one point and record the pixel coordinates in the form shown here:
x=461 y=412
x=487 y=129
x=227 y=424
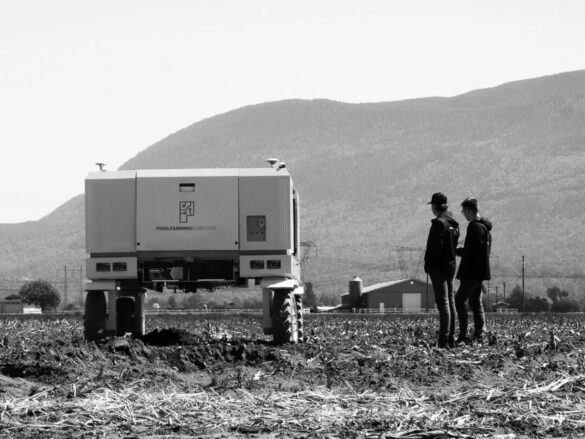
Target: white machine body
x=184 y=229
x=191 y=226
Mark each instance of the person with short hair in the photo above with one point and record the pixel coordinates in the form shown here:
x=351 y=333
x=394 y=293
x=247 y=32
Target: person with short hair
x=440 y=266
x=473 y=270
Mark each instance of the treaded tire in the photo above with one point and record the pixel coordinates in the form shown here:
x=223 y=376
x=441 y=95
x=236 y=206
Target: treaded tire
x=94 y=319
x=300 y=318
x=285 y=318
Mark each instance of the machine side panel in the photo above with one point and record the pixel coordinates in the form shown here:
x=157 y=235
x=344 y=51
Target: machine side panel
x=187 y=213
x=266 y=214
x=110 y=215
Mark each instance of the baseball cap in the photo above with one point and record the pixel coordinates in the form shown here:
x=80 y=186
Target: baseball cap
x=438 y=198
x=471 y=203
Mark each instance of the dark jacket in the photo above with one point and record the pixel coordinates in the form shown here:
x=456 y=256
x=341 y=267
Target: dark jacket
x=442 y=244
x=475 y=253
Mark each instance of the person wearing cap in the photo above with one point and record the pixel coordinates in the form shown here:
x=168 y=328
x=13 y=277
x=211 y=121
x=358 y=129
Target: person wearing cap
x=440 y=265
x=473 y=270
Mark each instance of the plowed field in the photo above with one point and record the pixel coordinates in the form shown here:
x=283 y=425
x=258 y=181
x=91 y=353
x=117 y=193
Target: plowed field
x=355 y=376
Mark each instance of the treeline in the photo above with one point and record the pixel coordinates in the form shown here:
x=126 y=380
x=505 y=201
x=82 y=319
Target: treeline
x=556 y=300
x=196 y=301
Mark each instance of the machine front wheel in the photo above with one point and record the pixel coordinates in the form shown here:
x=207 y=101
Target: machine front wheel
x=94 y=319
x=285 y=320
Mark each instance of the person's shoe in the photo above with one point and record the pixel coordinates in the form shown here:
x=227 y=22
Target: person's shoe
x=442 y=344
x=479 y=338
x=451 y=342
x=463 y=341
x=492 y=339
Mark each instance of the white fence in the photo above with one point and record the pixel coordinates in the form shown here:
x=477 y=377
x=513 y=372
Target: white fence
x=150 y=312
x=417 y=311
x=394 y=310
x=197 y=311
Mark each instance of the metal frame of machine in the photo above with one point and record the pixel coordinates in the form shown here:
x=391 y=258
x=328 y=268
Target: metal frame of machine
x=186 y=230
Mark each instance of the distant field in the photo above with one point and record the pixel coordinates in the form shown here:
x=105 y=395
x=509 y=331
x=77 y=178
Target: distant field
x=217 y=374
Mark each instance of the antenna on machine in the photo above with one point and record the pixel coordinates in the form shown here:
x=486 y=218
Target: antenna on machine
x=101 y=166
x=272 y=162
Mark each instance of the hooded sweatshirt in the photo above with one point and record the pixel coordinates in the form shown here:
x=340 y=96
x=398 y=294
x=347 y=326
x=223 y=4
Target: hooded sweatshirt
x=475 y=253
x=442 y=244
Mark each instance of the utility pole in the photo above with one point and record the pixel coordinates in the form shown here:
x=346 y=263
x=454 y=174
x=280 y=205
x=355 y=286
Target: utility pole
x=79 y=269
x=523 y=299
x=81 y=285
x=504 y=284
x=496 y=294
x=65 y=284
x=66 y=272
x=427 y=298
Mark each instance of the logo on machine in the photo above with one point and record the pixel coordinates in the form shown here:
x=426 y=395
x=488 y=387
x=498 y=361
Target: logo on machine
x=186 y=209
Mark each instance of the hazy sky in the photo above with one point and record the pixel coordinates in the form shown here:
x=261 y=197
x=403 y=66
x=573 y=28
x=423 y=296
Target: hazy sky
x=88 y=81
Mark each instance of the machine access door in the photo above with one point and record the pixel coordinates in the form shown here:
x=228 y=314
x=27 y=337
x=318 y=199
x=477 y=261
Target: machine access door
x=187 y=210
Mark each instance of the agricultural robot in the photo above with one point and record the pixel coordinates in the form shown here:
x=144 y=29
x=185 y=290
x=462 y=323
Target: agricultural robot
x=190 y=229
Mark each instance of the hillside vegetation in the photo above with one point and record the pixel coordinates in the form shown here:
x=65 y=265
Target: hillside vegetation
x=365 y=172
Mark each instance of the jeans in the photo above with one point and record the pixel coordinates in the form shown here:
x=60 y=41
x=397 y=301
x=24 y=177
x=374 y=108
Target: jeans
x=470 y=289
x=443 y=288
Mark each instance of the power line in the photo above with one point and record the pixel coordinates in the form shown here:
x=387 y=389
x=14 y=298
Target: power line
x=523 y=300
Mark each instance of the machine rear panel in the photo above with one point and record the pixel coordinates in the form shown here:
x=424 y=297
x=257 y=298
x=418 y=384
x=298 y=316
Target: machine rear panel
x=191 y=212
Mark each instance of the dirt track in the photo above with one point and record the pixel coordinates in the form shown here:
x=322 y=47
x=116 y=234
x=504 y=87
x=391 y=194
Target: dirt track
x=376 y=376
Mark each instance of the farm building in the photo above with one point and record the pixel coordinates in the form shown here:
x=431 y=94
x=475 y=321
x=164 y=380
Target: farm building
x=11 y=305
x=407 y=294
x=503 y=307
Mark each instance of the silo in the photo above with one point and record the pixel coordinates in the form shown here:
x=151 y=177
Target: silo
x=355 y=290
